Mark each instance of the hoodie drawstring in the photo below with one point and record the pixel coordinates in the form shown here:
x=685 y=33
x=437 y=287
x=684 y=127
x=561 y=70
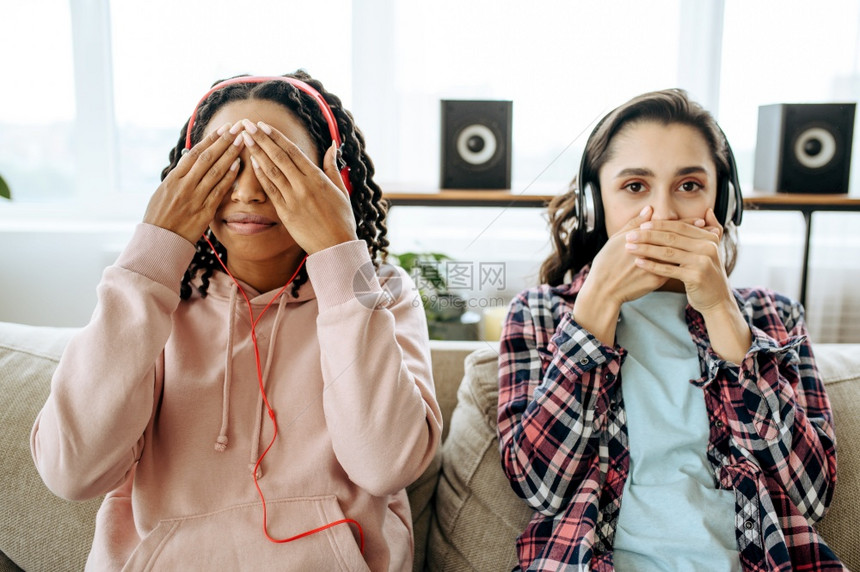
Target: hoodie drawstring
x=221 y=442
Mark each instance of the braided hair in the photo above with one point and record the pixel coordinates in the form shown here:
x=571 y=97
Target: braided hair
x=368 y=205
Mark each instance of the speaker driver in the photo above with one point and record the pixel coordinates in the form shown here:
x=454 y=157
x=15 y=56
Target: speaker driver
x=476 y=144
x=815 y=147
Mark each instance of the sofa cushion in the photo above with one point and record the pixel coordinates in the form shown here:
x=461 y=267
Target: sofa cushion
x=839 y=365
x=477 y=516
x=38 y=531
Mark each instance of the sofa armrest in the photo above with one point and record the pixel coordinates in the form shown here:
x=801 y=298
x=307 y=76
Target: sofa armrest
x=38 y=530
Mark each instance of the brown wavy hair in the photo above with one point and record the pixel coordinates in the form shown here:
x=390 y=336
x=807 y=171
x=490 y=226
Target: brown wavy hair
x=368 y=205
x=572 y=247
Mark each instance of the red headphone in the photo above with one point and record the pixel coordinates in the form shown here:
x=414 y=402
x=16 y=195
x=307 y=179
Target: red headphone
x=298 y=84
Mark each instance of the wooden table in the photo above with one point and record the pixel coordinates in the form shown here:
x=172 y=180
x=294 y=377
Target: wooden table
x=755 y=200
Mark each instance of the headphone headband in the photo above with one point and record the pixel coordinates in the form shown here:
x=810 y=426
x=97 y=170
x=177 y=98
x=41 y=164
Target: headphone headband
x=298 y=84
x=589 y=213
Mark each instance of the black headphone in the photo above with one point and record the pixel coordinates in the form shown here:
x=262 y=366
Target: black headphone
x=729 y=204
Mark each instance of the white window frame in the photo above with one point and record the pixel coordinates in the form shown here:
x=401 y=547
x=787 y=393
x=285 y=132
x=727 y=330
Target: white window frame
x=95 y=124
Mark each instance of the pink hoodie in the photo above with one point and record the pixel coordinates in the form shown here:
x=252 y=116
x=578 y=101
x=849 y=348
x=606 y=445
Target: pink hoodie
x=157 y=403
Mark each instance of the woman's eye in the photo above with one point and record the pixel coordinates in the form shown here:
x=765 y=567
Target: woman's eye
x=634 y=187
x=690 y=186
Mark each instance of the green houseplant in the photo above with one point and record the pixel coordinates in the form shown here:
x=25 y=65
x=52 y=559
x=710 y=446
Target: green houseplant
x=4 y=189
x=446 y=311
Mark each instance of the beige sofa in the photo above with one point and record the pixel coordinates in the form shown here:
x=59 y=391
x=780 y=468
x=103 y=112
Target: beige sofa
x=466 y=516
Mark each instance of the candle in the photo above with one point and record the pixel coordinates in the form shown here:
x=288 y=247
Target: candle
x=492 y=319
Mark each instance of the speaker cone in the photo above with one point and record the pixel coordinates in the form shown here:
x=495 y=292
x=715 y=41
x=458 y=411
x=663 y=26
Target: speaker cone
x=476 y=144
x=815 y=147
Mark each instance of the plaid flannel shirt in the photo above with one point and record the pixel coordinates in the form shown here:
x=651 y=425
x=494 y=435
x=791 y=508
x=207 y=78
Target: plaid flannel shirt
x=563 y=433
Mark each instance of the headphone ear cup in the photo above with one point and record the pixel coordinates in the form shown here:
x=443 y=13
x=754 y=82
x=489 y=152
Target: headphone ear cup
x=729 y=203
x=730 y=199
x=588 y=212
x=732 y=213
x=722 y=206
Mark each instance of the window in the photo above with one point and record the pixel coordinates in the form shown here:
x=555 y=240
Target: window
x=37 y=116
x=146 y=65
x=789 y=52
x=562 y=63
x=784 y=52
x=167 y=54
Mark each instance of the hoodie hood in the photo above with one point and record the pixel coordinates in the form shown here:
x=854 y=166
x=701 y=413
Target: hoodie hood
x=221 y=287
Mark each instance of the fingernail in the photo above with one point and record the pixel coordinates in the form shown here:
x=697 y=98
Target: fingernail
x=254 y=163
x=250 y=127
x=236 y=128
x=631 y=246
x=631 y=236
x=238 y=140
x=266 y=129
x=223 y=128
x=249 y=141
x=235 y=164
x=644 y=211
x=646 y=225
x=699 y=222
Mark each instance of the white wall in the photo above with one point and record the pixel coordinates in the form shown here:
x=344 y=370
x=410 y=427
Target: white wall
x=49 y=275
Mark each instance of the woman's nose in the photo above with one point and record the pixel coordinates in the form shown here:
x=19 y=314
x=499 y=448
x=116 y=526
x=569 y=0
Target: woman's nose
x=664 y=206
x=246 y=188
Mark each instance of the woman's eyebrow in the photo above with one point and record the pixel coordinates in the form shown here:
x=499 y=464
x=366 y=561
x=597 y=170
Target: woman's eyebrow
x=694 y=170
x=643 y=172
x=635 y=172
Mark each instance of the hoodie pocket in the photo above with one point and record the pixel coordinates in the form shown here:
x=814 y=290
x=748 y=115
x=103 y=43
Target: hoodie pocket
x=233 y=539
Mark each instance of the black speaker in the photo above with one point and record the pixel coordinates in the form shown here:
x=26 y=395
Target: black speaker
x=804 y=147
x=476 y=144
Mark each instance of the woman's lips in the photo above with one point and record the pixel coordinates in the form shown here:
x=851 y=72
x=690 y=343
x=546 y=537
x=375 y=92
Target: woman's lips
x=246 y=223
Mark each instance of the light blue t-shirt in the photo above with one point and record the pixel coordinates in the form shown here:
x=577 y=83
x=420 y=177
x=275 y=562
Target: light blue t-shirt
x=672 y=516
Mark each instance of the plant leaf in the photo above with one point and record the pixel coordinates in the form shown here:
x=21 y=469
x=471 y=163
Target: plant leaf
x=4 y=189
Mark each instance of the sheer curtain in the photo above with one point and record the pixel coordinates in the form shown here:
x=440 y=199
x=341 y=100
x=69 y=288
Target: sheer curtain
x=38 y=95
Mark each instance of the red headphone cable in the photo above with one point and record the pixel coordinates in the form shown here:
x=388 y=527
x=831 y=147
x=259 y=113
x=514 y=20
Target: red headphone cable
x=270 y=411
